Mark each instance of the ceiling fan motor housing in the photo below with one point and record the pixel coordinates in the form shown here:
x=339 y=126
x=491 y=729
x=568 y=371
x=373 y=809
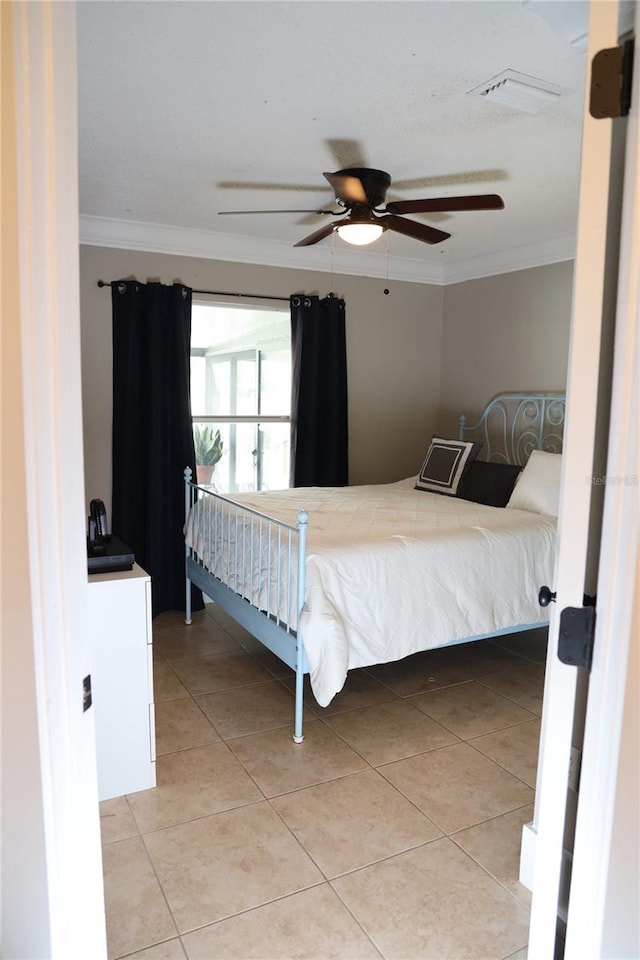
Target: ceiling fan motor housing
x=374 y=182
x=359 y=213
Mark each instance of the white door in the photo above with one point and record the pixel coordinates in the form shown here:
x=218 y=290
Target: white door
x=582 y=490
x=52 y=891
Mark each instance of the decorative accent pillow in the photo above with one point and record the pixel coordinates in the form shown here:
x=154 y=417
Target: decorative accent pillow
x=445 y=464
x=488 y=483
x=538 y=489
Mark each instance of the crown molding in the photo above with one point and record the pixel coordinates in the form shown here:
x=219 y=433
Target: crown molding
x=522 y=257
x=187 y=242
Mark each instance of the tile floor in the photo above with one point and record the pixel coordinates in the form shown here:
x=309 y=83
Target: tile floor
x=392 y=832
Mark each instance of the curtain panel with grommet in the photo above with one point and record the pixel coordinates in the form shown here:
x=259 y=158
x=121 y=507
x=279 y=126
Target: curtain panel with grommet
x=152 y=431
x=319 y=408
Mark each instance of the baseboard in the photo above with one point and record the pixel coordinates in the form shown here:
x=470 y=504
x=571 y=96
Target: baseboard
x=528 y=855
x=528 y=862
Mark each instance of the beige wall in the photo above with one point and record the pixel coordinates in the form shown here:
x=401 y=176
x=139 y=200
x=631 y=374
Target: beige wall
x=393 y=348
x=508 y=332
x=417 y=358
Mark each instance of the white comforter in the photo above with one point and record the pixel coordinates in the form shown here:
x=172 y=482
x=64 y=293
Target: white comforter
x=392 y=571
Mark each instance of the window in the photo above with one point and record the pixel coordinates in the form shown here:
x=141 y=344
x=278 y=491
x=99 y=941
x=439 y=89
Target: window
x=241 y=395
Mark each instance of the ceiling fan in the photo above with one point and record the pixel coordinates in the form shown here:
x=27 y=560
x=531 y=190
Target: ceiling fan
x=361 y=192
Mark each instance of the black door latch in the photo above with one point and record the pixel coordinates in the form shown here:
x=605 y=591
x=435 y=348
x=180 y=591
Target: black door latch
x=575 y=637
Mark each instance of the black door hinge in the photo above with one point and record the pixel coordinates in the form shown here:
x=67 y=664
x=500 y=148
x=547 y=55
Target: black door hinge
x=611 y=74
x=86 y=693
x=575 y=638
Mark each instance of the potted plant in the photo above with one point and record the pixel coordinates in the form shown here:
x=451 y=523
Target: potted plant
x=208 y=446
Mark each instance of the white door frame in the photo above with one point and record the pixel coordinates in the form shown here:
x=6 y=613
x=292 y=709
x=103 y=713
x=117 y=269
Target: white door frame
x=45 y=54
x=604 y=894
x=580 y=499
x=46 y=423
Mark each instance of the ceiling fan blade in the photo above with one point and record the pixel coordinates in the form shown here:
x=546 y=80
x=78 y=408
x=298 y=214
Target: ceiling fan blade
x=318 y=235
x=487 y=201
x=346 y=153
x=347 y=188
x=419 y=231
x=235 y=213
x=261 y=185
x=449 y=180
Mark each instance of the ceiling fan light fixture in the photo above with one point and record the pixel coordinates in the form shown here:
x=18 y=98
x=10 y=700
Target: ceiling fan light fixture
x=360 y=234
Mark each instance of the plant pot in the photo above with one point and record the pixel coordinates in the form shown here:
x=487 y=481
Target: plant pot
x=204 y=472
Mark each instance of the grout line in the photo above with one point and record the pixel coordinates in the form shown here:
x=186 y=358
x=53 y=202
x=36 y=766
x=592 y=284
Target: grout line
x=497 y=762
x=488 y=872
x=357 y=921
x=506 y=696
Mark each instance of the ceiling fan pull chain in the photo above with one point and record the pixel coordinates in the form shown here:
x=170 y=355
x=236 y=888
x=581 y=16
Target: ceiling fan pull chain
x=333 y=247
x=386 y=289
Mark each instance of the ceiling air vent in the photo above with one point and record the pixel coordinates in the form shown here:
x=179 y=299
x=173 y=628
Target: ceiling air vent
x=517 y=90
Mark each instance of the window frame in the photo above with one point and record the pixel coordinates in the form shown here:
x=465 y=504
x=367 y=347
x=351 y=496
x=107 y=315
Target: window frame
x=234 y=419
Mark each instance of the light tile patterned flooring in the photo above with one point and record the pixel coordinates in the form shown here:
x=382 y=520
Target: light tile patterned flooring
x=393 y=831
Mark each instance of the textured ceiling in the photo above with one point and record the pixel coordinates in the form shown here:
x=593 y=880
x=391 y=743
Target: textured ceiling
x=190 y=108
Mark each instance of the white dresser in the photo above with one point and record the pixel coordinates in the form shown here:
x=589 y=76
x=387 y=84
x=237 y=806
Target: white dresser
x=119 y=618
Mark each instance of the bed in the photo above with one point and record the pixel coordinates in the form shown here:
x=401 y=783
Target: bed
x=332 y=579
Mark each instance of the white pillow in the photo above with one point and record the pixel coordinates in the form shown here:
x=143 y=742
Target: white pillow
x=538 y=488
x=444 y=465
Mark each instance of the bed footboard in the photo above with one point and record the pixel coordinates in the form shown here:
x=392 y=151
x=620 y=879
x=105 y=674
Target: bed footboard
x=253 y=566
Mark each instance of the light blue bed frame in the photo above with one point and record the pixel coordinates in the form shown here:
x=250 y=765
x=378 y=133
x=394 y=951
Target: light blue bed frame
x=267 y=626
x=514 y=424
x=510 y=427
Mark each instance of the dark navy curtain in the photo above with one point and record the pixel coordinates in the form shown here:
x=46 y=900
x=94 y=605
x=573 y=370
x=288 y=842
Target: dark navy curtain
x=152 y=432
x=319 y=432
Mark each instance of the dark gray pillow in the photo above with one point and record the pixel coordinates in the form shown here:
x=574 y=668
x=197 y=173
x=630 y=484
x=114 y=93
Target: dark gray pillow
x=488 y=483
x=445 y=464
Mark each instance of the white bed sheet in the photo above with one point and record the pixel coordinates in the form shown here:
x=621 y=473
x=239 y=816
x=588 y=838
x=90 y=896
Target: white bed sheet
x=391 y=571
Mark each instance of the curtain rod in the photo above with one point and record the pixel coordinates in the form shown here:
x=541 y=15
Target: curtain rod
x=215 y=293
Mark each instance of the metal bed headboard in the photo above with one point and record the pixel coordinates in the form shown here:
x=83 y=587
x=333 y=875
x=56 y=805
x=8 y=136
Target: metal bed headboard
x=514 y=424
